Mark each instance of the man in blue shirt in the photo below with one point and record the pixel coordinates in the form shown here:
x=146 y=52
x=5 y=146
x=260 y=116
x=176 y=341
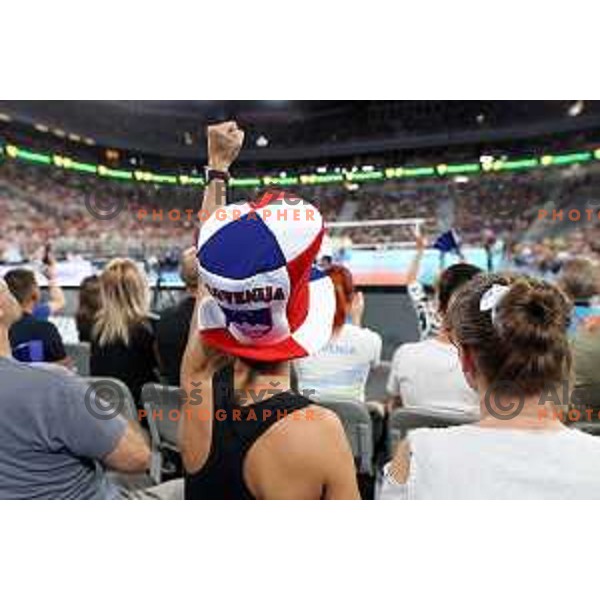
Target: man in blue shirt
x=32 y=339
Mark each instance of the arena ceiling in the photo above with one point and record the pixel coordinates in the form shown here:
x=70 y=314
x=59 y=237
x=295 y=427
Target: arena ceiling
x=301 y=129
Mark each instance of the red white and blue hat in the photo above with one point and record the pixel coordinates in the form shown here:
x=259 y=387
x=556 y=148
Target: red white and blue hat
x=267 y=301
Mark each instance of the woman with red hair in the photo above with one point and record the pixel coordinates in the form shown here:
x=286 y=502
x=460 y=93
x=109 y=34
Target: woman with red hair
x=339 y=371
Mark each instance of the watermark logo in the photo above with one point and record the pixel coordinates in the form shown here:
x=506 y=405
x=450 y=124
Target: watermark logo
x=275 y=206
x=585 y=214
x=105 y=399
x=504 y=400
x=104 y=208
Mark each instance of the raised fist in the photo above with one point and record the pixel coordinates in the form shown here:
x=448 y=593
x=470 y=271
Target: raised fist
x=224 y=144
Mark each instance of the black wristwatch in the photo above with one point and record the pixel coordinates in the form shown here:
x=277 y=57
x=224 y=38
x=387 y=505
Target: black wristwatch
x=212 y=174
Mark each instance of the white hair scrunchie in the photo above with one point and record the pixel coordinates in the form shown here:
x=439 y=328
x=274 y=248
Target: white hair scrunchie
x=491 y=298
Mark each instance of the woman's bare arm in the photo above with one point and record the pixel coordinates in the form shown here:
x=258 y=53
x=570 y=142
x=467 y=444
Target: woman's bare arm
x=400 y=465
x=199 y=365
x=415 y=265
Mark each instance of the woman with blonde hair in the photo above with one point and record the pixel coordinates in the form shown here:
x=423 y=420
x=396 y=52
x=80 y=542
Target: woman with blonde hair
x=123 y=341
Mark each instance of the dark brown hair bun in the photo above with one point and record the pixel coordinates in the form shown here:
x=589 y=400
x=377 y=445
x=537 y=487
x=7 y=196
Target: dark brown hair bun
x=533 y=314
x=523 y=338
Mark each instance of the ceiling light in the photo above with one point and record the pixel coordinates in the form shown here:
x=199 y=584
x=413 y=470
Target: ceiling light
x=262 y=142
x=576 y=108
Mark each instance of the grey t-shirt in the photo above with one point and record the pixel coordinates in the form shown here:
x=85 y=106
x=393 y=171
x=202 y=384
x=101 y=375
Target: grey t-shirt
x=50 y=443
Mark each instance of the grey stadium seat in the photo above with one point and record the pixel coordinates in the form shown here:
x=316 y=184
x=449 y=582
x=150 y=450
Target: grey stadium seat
x=359 y=428
x=591 y=427
x=377 y=382
x=586 y=396
x=403 y=420
x=80 y=355
x=163 y=429
x=116 y=393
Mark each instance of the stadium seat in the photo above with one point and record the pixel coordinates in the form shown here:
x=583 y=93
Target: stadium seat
x=80 y=355
x=377 y=382
x=403 y=420
x=586 y=396
x=591 y=427
x=116 y=393
x=159 y=400
x=358 y=427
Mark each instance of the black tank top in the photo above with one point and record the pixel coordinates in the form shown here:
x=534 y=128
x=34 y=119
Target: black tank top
x=222 y=476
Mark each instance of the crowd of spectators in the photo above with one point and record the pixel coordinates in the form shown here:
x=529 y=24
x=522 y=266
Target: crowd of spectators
x=48 y=204
x=490 y=328
x=41 y=204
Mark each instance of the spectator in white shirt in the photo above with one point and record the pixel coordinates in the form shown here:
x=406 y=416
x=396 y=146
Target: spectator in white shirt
x=511 y=334
x=427 y=374
x=340 y=370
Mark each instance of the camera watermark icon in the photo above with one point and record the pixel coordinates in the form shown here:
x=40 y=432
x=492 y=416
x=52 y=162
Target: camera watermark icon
x=505 y=400
x=105 y=399
x=104 y=208
x=506 y=408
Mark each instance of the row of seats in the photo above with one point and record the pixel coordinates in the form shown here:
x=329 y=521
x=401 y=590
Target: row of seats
x=159 y=400
x=79 y=354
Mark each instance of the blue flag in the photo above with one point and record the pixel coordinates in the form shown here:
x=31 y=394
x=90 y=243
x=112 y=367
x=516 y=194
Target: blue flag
x=448 y=242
